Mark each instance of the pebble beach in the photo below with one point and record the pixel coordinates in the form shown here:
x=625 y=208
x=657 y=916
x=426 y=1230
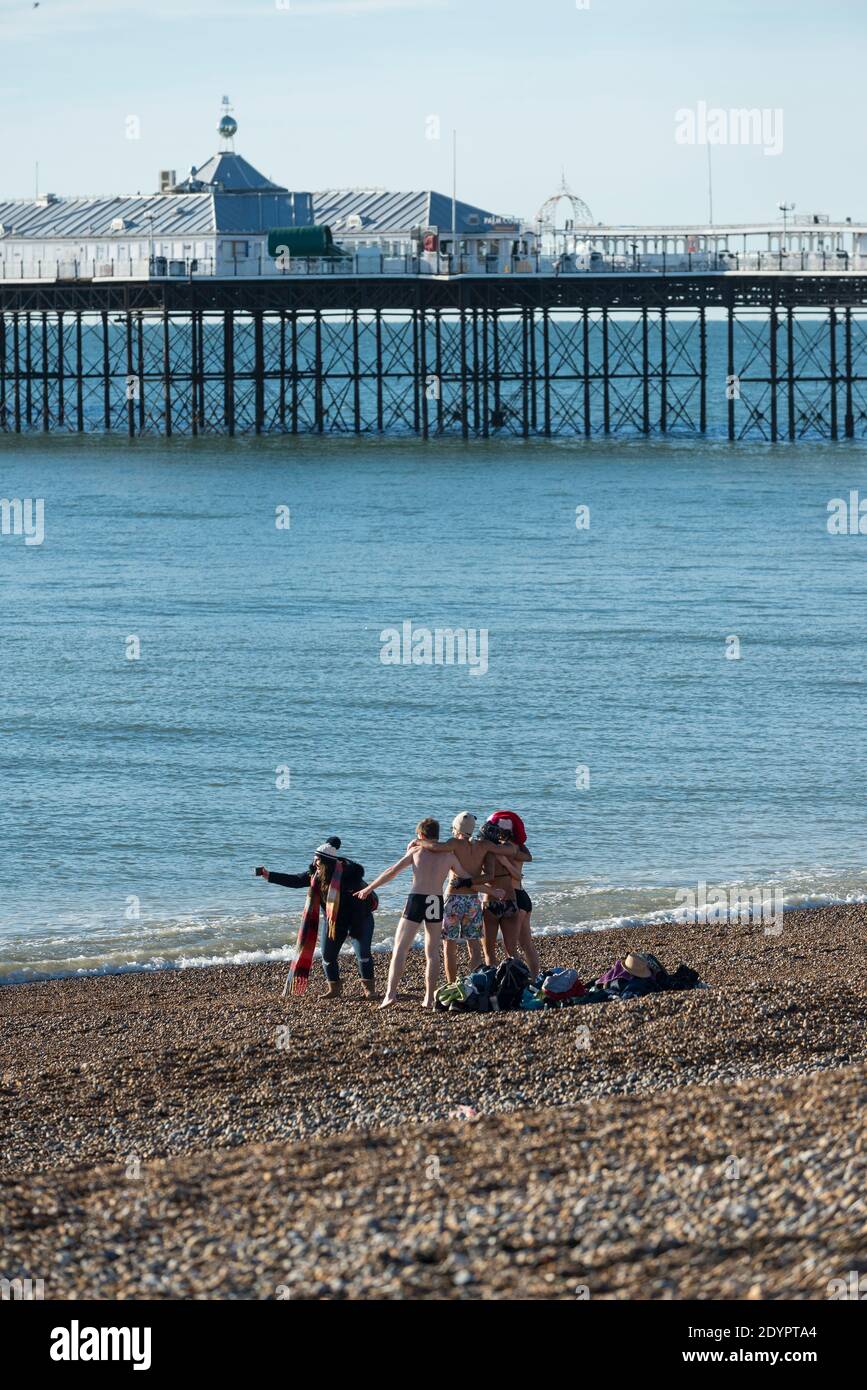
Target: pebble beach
x=191 y=1134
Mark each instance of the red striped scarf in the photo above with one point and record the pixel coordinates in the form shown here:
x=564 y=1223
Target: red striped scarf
x=308 y=933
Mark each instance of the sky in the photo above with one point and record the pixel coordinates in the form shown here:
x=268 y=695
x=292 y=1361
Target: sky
x=352 y=93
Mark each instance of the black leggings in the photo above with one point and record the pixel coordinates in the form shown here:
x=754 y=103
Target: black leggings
x=361 y=945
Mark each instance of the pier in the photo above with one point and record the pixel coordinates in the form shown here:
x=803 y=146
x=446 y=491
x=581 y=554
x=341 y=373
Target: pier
x=764 y=356
x=226 y=304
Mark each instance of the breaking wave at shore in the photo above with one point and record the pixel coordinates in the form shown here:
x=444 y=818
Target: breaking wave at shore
x=212 y=938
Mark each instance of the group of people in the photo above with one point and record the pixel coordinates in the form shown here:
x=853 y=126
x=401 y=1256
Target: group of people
x=466 y=889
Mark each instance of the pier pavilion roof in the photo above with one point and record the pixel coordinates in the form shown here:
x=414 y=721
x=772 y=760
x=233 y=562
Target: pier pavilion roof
x=228 y=172
x=161 y=214
x=379 y=212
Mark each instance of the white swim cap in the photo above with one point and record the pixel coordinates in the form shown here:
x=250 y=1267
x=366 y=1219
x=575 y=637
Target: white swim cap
x=464 y=823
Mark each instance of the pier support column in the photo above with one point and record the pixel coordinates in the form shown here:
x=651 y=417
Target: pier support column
x=438 y=366
x=730 y=368
x=2 y=371
x=61 y=370
x=486 y=378
x=465 y=422
x=16 y=372
x=319 y=395
x=790 y=370
x=586 y=364
x=378 y=328
x=229 y=371
x=106 y=375
x=294 y=338
x=849 y=417
x=606 y=377
x=356 y=375
x=259 y=371
x=702 y=371
x=663 y=369
x=773 y=326
x=281 y=408
x=645 y=374
x=79 y=375
x=546 y=371
x=167 y=374
x=194 y=373
x=425 y=401
x=140 y=370
x=46 y=415
x=130 y=388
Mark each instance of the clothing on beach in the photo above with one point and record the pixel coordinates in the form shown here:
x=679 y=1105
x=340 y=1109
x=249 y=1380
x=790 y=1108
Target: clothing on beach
x=463 y=917
x=424 y=907
x=522 y=898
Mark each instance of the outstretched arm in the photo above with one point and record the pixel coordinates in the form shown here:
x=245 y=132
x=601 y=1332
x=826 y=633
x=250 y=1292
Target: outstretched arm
x=386 y=876
x=286 y=880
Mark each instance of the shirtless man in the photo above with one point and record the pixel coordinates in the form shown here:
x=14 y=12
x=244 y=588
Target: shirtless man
x=463 y=914
x=424 y=906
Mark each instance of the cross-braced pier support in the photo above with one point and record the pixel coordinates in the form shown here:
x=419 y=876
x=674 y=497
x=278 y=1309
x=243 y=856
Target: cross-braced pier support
x=647 y=360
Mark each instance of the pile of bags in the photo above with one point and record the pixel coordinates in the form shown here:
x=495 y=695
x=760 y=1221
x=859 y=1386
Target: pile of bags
x=509 y=986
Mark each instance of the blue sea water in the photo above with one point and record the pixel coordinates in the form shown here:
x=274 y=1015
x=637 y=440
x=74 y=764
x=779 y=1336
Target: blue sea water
x=138 y=795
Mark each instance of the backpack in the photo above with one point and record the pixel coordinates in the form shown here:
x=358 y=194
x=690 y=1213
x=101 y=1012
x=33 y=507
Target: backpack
x=512 y=979
x=483 y=982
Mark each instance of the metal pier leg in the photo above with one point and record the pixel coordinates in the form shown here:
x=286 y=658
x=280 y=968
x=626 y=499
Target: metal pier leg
x=2 y=371
x=167 y=374
x=546 y=371
x=320 y=413
x=258 y=371
x=438 y=348
x=203 y=418
x=772 y=329
x=130 y=397
x=849 y=418
x=645 y=378
x=294 y=372
x=525 y=384
x=379 y=412
x=229 y=371
x=832 y=367
x=46 y=415
x=140 y=369
x=486 y=412
x=476 y=419
x=356 y=374
x=702 y=370
x=106 y=375
x=28 y=368
x=495 y=325
x=194 y=365
x=730 y=368
x=282 y=405
x=61 y=369
x=790 y=369
x=606 y=382
x=416 y=368
x=79 y=376
x=531 y=331
x=585 y=350
x=16 y=372
x=465 y=423
x=425 y=420
x=663 y=369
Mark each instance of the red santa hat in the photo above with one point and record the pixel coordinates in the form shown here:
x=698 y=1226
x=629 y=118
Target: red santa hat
x=510 y=820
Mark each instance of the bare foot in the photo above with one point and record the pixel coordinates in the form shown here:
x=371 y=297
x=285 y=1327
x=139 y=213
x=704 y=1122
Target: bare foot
x=427 y=1003
x=386 y=1002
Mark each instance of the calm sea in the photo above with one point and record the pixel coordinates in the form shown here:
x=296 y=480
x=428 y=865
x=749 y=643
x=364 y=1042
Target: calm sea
x=188 y=689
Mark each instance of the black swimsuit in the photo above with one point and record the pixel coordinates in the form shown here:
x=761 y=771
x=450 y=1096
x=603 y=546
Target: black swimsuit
x=424 y=907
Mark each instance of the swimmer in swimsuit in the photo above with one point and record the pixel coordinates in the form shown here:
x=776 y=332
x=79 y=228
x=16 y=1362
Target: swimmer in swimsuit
x=424 y=907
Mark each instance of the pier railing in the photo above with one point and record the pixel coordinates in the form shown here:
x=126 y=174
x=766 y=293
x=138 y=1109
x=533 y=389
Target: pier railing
x=368 y=263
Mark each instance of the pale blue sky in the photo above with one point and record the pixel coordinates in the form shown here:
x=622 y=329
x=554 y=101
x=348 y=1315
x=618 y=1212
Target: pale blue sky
x=337 y=93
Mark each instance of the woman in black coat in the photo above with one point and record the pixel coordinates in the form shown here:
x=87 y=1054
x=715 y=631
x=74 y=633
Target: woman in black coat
x=354 y=918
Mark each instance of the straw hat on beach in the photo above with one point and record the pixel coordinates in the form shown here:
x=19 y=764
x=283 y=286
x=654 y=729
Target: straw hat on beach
x=638 y=965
